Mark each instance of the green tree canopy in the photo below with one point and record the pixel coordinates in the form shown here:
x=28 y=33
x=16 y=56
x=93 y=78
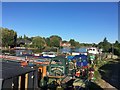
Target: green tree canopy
x=55 y=41
x=47 y=40
x=64 y=41
x=116 y=47
x=9 y=37
x=74 y=43
x=105 y=45
x=38 y=42
x=117 y=44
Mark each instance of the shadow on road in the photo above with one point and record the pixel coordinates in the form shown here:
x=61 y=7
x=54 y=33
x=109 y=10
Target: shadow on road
x=111 y=73
x=94 y=86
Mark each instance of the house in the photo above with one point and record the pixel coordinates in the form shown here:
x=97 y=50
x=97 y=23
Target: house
x=65 y=44
x=23 y=42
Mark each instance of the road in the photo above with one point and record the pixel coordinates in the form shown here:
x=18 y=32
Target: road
x=111 y=74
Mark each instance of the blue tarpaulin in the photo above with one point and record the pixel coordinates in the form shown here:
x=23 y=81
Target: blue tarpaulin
x=79 y=64
x=69 y=57
x=85 y=62
x=83 y=57
x=82 y=63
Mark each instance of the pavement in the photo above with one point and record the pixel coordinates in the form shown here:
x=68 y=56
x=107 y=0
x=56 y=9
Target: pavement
x=111 y=78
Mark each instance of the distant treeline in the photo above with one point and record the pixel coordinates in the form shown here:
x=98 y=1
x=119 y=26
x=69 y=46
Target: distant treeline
x=10 y=39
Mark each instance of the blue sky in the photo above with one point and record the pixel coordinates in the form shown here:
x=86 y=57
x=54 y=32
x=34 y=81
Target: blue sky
x=84 y=22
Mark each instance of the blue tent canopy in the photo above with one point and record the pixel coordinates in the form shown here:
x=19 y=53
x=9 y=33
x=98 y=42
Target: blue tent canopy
x=69 y=57
x=83 y=63
x=82 y=56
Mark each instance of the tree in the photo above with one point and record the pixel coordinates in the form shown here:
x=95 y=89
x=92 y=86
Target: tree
x=74 y=43
x=105 y=45
x=77 y=44
x=9 y=37
x=64 y=41
x=116 y=47
x=55 y=41
x=19 y=38
x=94 y=45
x=47 y=40
x=117 y=44
x=38 y=42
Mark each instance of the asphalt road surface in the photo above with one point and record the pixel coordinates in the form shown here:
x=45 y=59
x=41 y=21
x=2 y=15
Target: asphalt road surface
x=112 y=74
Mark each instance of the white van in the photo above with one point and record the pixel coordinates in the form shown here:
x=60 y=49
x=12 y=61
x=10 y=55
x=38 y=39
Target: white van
x=93 y=50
